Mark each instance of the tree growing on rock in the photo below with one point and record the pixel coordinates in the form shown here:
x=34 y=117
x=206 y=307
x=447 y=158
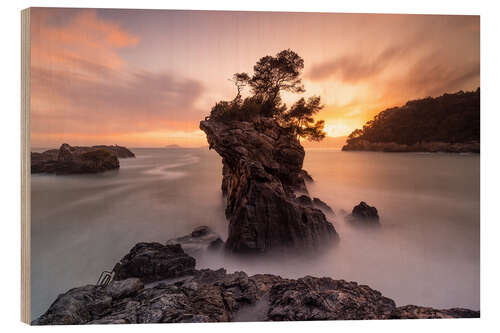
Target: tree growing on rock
x=273 y=75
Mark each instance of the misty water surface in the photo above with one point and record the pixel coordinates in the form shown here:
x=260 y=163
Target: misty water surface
x=426 y=253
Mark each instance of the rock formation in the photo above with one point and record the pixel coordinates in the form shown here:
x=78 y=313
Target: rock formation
x=364 y=215
x=262 y=176
x=217 y=296
x=154 y=261
x=73 y=160
x=201 y=239
x=119 y=151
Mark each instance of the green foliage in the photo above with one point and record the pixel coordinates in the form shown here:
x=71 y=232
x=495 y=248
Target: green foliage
x=299 y=119
x=450 y=118
x=271 y=76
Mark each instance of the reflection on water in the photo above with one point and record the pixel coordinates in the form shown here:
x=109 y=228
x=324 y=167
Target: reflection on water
x=426 y=253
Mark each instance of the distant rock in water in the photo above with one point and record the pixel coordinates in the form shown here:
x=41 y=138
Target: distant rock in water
x=73 y=160
x=206 y=295
x=261 y=176
x=119 y=151
x=154 y=261
x=201 y=239
x=364 y=215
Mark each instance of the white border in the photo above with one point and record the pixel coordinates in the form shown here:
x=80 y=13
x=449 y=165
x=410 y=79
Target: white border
x=490 y=110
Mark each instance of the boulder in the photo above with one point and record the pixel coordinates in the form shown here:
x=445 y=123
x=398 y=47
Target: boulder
x=364 y=215
x=262 y=176
x=154 y=261
x=200 y=239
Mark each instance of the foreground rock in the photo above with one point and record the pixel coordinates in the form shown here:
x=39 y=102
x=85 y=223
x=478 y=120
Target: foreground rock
x=73 y=160
x=262 y=178
x=201 y=239
x=364 y=215
x=153 y=261
x=217 y=296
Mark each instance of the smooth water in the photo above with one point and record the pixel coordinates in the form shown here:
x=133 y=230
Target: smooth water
x=426 y=253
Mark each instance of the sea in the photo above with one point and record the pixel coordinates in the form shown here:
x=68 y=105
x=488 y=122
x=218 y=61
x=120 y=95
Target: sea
x=427 y=251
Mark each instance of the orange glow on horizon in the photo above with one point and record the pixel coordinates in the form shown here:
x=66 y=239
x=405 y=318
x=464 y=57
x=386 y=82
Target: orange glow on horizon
x=146 y=78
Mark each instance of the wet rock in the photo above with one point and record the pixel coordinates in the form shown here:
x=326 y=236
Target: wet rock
x=262 y=175
x=154 y=261
x=201 y=239
x=364 y=215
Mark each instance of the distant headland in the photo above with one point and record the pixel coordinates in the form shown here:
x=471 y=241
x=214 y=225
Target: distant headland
x=448 y=123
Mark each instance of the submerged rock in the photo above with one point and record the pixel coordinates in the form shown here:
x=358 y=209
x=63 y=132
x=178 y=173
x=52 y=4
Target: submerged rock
x=262 y=174
x=74 y=160
x=216 y=296
x=154 y=261
x=364 y=215
x=201 y=239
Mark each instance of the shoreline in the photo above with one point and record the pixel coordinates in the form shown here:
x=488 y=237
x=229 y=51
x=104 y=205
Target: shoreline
x=423 y=147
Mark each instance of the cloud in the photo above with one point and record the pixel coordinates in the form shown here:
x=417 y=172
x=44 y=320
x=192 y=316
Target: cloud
x=141 y=101
x=81 y=85
x=357 y=67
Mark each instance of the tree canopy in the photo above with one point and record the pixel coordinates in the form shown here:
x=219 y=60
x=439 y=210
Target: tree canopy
x=452 y=118
x=271 y=76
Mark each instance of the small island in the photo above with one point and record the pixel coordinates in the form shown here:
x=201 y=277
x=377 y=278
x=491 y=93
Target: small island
x=78 y=159
x=449 y=123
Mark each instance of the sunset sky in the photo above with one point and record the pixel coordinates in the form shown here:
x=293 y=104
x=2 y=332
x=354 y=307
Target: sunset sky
x=145 y=78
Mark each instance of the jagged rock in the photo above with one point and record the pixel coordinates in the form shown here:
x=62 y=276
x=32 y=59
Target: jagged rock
x=364 y=215
x=201 y=239
x=318 y=203
x=76 y=306
x=215 y=295
x=154 y=261
x=312 y=298
x=118 y=151
x=420 y=312
x=262 y=173
x=122 y=288
x=73 y=160
x=306 y=176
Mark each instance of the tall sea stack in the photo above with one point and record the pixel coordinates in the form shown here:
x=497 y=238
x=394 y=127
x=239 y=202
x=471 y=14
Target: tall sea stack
x=262 y=177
